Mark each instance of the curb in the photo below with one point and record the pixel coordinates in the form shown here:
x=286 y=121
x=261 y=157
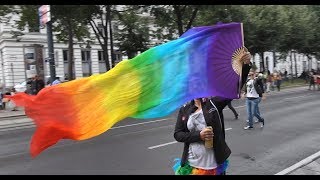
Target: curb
x=300 y=164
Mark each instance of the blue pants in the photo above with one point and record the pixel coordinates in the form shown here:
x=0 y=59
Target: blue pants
x=253 y=104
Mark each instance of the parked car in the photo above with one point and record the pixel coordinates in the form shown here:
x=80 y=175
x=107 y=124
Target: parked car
x=21 y=87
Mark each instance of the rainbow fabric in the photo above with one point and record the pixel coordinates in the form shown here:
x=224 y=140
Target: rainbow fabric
x=153 y=84
x=189 y=170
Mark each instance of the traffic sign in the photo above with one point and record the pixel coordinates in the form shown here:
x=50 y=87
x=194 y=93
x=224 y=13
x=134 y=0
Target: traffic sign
x=44 y=14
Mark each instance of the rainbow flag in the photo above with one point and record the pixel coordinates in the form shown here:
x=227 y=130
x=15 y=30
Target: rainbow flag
x=151 y=85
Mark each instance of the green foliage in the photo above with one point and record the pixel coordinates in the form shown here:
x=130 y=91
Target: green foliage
x=69 y=17
x=134 y=36
x=28 y=16
x=278 y=28
x=173 y=20
x=4 y=12
x=212 y=14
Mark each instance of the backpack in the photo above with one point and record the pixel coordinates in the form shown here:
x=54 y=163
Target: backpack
x=257 y=87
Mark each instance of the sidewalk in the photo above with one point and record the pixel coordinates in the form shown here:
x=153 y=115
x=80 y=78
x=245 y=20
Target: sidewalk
x=12 y=120
x=312 y=168
x=307 y=166
x=9 y=113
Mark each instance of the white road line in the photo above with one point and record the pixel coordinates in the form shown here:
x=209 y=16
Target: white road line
x=296 y=97
x=173 y=142
x=160 y=145
x=139 y=123
x=300 y=164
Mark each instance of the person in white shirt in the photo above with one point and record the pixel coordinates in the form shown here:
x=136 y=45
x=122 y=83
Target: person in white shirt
x=56 y=81
x=253 y=91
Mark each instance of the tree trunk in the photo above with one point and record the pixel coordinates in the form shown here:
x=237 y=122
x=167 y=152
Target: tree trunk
x=105 y=39
x=178 y=14
x=274 y=59
x=309 y=63
x=262 y=68
x=70 y=52
x=106 y=55
x=111 y=38
x=295 y=65
x=291 y=67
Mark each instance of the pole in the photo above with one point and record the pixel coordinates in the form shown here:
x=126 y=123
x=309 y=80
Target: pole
x=50 y=52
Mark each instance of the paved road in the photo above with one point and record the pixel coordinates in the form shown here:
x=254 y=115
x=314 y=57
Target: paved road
x=291 y=133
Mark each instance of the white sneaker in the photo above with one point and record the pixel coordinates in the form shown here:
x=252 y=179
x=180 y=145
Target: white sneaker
x=262 y=124
x=248 y=128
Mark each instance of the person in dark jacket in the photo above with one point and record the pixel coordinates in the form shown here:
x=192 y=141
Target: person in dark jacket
x=36 y=84
x=190 y=128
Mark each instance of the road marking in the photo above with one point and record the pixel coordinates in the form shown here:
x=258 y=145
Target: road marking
x=139 y=123
x=160 y=145
x=296 y=97
x=300 y=164
x=173 y=142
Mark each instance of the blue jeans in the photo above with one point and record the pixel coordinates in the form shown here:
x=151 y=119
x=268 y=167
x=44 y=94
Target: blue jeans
x=253 y=104
x=257 y=106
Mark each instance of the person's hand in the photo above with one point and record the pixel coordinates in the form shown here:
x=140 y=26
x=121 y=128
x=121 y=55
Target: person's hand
x=243 y=95
x=206 y=134
x=246 y=58
x=264 y=97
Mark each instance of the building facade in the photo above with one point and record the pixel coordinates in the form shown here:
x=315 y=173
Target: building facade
x=24 y=56
x=296 y=64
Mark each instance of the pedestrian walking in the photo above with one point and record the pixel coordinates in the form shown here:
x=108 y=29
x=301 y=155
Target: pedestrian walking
x=191 y=128
x=236 y=114
x=253 y=91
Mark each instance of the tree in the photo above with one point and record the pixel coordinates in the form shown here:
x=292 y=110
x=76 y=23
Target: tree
x=134 y=36
x=212 y=14
x=263 y=26
x=29 y=17
x=69 y=25
x=173 y=20
x=98 y=17
x=4 y=11
x=301 y=28
x=314 y=44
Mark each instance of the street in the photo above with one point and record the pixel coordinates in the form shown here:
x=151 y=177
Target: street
x=147 y=147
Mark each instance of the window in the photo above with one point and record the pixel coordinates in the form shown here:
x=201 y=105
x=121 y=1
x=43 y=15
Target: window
x=101 y=56
x=102 y=63
x=65 y=55
x=85 y=56
x=86 y=63
x=29 y=55
x=118 y=56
